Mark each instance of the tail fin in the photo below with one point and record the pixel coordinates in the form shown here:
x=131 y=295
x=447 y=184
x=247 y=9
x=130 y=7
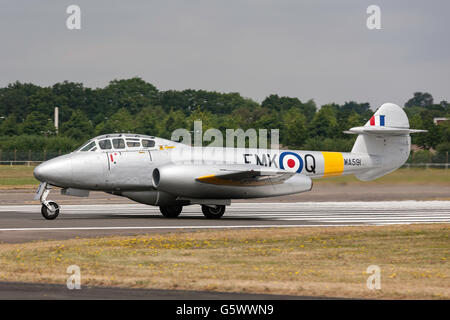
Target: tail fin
x=386 y=138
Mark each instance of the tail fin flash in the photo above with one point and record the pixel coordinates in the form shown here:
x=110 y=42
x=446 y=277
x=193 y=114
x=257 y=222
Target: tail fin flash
x=389 y=115
x=386 y=138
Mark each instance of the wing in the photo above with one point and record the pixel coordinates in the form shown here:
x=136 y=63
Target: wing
x=246 y=177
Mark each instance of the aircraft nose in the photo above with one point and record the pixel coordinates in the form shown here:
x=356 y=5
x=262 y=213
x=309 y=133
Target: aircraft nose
x=57 y=171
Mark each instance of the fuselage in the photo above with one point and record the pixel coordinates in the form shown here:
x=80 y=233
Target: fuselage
x=130 y=169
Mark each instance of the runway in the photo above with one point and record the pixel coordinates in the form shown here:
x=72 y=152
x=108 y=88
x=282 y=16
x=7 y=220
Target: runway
x=24 y=222
x=42 y=291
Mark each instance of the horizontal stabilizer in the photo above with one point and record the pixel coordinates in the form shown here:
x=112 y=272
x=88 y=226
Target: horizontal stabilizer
x=378 y=130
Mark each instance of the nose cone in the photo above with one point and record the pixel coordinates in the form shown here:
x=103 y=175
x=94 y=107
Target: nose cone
x=57 y=171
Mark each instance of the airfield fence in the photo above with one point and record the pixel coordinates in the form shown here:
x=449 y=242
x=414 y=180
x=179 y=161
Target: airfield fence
x=427 y=165
x=28 y=156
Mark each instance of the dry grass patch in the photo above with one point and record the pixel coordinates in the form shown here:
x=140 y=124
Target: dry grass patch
x=299 y=261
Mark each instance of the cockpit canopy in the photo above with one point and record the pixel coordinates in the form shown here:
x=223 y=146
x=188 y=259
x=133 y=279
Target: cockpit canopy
x=123 y=142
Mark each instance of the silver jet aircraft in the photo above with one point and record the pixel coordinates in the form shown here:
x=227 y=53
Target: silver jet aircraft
x=171 y=175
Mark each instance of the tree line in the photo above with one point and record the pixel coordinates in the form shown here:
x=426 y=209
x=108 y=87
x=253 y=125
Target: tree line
x=133 y=105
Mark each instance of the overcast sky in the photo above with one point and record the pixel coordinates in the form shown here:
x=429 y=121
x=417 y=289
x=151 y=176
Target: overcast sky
x=319 y=50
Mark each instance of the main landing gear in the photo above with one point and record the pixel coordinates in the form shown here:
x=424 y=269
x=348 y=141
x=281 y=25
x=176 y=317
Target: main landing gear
x=171 y=211
x=49 y=209
x=210 y=211
x=213 y=212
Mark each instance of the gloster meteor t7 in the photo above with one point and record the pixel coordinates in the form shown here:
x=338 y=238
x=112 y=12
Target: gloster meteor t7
x=171 y=175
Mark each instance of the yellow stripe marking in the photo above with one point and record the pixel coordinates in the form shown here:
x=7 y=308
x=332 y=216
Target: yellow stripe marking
x=334 y=164
x=206 y=177
x=212 y=179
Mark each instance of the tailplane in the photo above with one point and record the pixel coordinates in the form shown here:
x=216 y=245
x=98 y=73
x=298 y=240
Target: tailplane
x=385 y=137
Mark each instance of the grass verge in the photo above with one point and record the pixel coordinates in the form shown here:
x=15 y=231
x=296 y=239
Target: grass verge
x=12 y=177
x=298 y=261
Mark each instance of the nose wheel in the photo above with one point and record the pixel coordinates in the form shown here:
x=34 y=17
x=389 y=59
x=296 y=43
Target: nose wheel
x=49 y=209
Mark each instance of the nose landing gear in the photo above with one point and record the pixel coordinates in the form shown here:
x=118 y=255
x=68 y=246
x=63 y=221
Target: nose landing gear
x=49 y=209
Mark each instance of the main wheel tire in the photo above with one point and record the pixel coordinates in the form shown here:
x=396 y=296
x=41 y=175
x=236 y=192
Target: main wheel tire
x=171 y=211
x=213 y=212
x=48 y=214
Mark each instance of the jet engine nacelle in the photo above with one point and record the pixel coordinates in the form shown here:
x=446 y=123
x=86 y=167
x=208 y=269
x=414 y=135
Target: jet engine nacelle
x=151 y=197
x=181 y=180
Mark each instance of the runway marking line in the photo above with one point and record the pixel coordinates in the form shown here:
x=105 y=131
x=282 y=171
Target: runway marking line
x=200 y=227
x=171 y=227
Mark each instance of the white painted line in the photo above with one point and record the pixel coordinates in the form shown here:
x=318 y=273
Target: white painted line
x=373 y=206
x=173 y=227
x=197 y=227
x=333 y=219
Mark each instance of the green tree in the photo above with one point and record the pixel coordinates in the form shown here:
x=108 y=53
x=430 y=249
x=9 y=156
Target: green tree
x=295 y=131
x=45 y=101
x=420 y=99
x=174 y=120
x=9 y=126
x=445 y=131
x=245 y=118
x=78 y=127
x=149 y=121
x=324 y=123
x=309 y=109
x=212 y=101
x=207 y=118
x=353 y=120
x=38 y=124
x=281 y=104
x=268 y=119
x=329 y=144
x=131 y=94
x=15 y=99
x=119 y=122
x=431 y=138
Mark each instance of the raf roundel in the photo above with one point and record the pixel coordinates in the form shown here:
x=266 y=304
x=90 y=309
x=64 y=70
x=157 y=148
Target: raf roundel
x=291 y=161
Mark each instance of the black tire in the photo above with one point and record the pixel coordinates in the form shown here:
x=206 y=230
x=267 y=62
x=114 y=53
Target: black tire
x=171 y=211
x=213 y=212
x=50 y=215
